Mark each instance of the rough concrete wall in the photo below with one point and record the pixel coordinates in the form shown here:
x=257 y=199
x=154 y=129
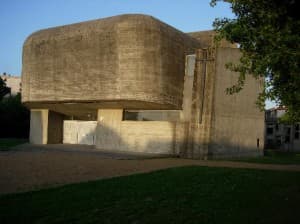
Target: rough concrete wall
x=70 y=129
x=55 y=127
x=206 y=39
x=123 y=58
x=38 y=126
x=108 y=131
x=148 y=136
x=237 y=122
x=185 y=114
x=199 y=130
x=79 y=132
x=181 y=138
x=135 y=136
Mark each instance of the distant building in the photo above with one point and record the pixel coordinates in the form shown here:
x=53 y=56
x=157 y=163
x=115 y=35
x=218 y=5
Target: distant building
x=279 y=135
x=13 y=82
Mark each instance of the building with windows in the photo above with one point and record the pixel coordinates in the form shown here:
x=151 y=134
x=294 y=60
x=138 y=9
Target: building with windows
x=13 y=82
x=280 y=135
x=133 y=83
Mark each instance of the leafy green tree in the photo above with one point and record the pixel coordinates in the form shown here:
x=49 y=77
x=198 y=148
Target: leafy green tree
x=14 y=118
x=3 y=89
x=268 y=34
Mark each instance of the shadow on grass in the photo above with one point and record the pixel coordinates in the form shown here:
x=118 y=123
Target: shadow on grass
x=176 y=195
x=7 y=143
x=274 y=157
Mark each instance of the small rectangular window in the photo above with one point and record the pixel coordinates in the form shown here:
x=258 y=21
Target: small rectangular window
x=297 y=135
x=130 y=115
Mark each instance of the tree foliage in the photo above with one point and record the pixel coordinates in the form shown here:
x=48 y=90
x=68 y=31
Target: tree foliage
x=3 y=89
x=267 y=32
x=14 y=118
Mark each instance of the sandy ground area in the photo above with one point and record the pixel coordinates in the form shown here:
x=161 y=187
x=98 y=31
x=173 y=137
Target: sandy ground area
x=29 y=168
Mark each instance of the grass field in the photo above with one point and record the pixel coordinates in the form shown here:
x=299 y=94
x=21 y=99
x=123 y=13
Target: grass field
x=7 y=143
x=274 y=157
x=177 y=195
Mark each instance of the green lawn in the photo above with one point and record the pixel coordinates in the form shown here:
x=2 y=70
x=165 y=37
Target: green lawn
x=6 y=143
x=274 y=157
x=177 y=195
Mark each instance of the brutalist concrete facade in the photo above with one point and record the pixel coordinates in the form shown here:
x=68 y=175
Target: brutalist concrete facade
x=97 y=70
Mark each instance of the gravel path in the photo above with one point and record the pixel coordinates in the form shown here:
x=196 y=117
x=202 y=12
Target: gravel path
x=38 y=167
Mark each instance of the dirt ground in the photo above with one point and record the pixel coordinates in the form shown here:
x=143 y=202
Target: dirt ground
x=34 y=167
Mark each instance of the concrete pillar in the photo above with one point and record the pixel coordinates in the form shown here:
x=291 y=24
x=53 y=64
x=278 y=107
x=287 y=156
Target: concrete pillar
x=202 y=105
x=108 y=136
x=181 y=138
x=185 y=115
x=182 y=127
x=38 y=126
x=198 y=88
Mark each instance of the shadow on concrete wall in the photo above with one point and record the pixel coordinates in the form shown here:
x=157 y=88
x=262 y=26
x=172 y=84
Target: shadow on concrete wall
x=223 y=148
x=112 y=141
x=109 y=139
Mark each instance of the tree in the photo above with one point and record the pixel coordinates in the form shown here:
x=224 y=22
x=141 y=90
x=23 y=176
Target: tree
x=14 y=118
x=3 y=89
x=267 y=32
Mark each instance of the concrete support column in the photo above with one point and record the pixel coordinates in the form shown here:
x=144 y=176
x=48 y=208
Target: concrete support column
x=182 y=127
x=38 y=126
x=181 y=138
x=108 y=136
x=202 y=105
x=185 y=115
x=194 y=142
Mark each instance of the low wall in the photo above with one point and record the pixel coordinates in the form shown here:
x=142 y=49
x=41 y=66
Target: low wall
x=148 y=136
x=114 y=134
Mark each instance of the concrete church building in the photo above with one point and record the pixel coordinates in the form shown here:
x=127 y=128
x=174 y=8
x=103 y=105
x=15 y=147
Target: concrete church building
x=133 y=83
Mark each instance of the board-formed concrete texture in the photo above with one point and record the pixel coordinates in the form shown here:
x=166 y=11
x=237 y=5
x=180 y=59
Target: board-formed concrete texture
x=128 y=61
x=133 y=83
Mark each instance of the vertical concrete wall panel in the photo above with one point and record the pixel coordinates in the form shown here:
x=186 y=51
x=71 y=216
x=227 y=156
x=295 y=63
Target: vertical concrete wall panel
x=70 y=132
x=38 y=126
x=188 y=88
x=237 y=123
x=86 y=132
x=108 y=134
x=148 y=136
x=80 y=132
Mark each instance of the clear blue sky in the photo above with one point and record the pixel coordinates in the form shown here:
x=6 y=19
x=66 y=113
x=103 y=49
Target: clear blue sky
x=20 y=18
